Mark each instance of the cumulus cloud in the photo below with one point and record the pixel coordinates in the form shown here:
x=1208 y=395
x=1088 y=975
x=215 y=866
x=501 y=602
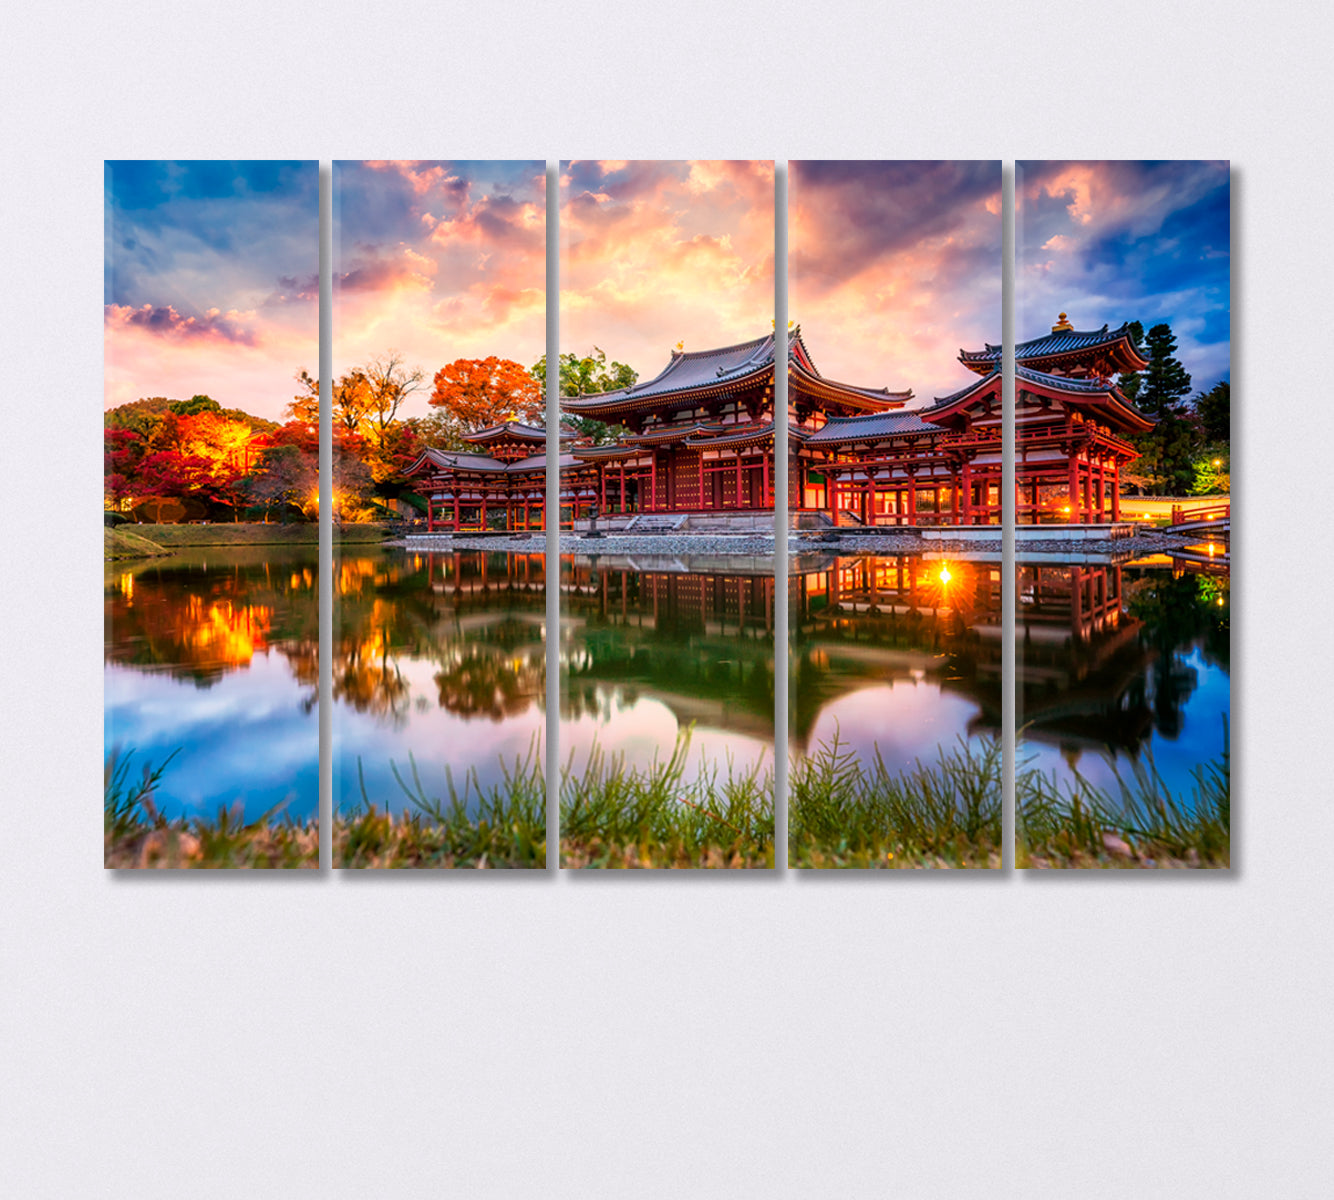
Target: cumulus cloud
x=1113 y=241
x=655 y=252
x=164 y=321
x=441 y=260
x=211 y=280
x=895 y=266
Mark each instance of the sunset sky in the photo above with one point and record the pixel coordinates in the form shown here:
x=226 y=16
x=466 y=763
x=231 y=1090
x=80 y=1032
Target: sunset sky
x=1108 y=242
x=440 y=261
x=211 y=281
x=658 y=252
x=894 y=267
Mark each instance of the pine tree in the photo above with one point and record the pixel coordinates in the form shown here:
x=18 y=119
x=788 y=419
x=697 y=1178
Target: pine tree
x=1168 y=450
x=1166 y=381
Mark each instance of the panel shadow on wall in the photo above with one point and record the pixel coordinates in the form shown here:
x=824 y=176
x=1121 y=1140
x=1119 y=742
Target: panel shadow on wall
x=211 y=621
x=895 y=675
x=1122 y=442
x=439 y=634
x=666 y=645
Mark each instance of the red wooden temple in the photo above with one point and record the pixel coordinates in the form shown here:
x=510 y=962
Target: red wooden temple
x=698 y=438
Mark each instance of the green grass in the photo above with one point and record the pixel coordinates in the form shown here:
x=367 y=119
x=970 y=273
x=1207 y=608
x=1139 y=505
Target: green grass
x=137 y=835
x=1141 y=824
x=121 y=543
x=503 y=826
x=256 y=533
x=848 y=812
x=614 y=815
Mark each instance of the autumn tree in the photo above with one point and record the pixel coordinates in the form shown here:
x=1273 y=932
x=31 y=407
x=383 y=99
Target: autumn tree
x=475 y=393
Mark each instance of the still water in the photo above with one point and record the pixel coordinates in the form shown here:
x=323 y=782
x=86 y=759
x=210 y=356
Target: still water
x=440 y=660
x=1123 y=664
x=898 y=655
x=654 y=647
x=211 y=655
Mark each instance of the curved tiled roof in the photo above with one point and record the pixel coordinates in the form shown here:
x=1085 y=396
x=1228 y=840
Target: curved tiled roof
x=514 y=429
x=685 y=371
x=870 y=428
x=1052 y=345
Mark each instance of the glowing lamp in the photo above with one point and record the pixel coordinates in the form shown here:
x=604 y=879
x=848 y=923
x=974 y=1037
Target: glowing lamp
x=944 y=574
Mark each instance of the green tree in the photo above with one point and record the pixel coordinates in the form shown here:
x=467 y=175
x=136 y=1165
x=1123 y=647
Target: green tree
x=195 y=405
x=1215 y=411
x=1166 y=381
x=1169 y=450
x=588 y=375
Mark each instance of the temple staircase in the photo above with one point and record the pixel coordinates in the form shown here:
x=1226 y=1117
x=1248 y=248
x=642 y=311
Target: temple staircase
x=656 y=523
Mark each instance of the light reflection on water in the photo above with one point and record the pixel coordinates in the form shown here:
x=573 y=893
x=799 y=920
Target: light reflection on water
x=441 y=657
x=211 y=655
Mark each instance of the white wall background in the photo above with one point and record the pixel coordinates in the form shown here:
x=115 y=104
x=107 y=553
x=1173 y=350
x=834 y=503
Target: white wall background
x=922 y=1037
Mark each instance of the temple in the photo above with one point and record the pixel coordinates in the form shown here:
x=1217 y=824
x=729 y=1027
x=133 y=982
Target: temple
x=694 y=446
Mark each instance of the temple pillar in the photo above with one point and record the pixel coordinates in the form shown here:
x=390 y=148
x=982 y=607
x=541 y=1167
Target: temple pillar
x=912 y=500
x=966 y=485
x=764 y=481
x=1116 y=490
x=430 y=516
x=738 y=479
x=1074 y=488
x=623 y=509
x=456 y=506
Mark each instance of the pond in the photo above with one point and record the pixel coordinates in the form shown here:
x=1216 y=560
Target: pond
x=1123 y=664
x=658 y=647
x=439 y=664
x=896 y=655
x=212 y=655
x=211 y=660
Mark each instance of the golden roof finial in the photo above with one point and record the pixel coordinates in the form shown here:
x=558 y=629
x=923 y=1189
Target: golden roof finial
x=1062 y=325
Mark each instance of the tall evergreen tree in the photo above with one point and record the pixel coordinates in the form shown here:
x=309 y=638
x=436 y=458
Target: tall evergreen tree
x=1166 y=381
x=1215 y=410
x=1168 y=451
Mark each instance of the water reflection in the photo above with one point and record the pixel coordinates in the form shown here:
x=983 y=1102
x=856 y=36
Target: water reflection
x=212 y=655
x=439 y=659
x=654 y=644
x=894 y=654
x=1122 y=662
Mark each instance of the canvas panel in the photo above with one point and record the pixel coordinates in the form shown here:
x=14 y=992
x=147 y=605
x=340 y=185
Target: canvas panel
x=439 y=633
x=895 y=588
x=1123 y=368
x=211 y=630
x=667 y=514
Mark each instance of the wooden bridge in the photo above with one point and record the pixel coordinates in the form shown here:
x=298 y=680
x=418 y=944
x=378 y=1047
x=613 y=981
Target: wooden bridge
x=1205 y=518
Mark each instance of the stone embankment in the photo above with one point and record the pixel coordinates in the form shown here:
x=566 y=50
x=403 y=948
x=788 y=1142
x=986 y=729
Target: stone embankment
x=1145 y=541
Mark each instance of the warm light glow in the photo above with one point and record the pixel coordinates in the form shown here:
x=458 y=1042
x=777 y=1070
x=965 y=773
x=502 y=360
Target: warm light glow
x=1220 y=601
x=1209 y=516
x=1218 y=462
x=944 y=574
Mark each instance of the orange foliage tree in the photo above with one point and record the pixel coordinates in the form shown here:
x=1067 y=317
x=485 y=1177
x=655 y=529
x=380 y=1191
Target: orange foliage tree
x=478 y=392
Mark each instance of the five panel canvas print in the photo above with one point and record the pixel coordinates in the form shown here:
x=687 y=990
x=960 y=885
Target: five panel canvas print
x=654 y=470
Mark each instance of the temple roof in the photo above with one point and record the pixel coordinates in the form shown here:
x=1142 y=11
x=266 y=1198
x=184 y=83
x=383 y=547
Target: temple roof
x=1063 y=343
x=871 y=427
x=517 y=430
x=718 y=369
x=685 y=371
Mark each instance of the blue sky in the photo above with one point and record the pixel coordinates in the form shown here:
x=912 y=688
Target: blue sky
x=1114 y=241
x=211 y=280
